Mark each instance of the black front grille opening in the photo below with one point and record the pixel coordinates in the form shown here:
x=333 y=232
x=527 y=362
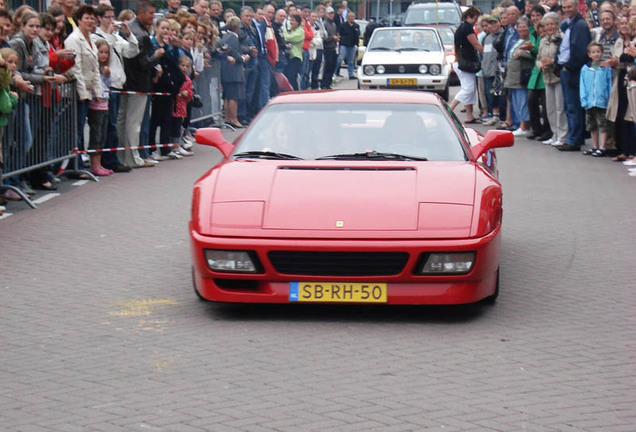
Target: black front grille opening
x=237 y=284
x=339 y=263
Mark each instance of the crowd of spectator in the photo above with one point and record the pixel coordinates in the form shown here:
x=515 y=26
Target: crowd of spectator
x=124 y=66
x=549 y=71
x=553 y=71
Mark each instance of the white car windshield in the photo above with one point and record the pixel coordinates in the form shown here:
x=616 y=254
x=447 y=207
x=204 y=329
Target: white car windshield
x=430 y=14
x=352 y=131
x=404 y=40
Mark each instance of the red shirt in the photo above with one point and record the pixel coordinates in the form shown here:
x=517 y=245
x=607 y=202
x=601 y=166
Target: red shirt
x=181 y=104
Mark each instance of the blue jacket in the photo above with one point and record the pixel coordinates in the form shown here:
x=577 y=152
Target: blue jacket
x=595 y=87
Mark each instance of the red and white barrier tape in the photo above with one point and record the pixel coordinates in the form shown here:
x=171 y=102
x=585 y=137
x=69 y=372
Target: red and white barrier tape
x=139 y=93
x=105 y=150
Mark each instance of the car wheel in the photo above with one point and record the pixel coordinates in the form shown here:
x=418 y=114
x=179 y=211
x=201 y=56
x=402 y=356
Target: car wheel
x=445 y=94
x=493 y=298
x=194 y=285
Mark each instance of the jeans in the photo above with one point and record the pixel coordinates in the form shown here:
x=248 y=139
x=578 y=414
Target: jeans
x=573 y=110
x=331 y=56
x=292 y=70
x=519 y=104
x=246 y=106
x=348 y=53
x=306 y=71
x=315 y=70
x=492 y=101
x=264 y=79
x=110 y=159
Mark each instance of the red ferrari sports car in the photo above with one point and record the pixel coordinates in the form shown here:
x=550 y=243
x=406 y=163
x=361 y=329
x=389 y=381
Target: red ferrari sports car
x=350 y=197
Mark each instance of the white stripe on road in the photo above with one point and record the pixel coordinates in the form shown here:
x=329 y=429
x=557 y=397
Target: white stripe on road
x=45 y=198
x=80 y=182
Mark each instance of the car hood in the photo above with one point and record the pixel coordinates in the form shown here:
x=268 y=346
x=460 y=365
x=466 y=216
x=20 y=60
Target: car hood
x=341 y=199
x=402 y=58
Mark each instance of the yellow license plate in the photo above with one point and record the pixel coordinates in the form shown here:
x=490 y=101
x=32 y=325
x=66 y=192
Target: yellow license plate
x=402 y=81
x=337 y=292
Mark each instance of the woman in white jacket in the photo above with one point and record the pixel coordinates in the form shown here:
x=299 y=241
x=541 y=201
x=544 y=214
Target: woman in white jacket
x=86 y=69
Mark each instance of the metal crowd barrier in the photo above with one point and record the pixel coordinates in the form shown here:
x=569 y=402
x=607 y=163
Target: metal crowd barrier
x=208 y=86
x=41 y=134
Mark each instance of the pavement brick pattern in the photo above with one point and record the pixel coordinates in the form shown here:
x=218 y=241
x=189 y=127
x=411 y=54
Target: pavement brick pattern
x=100 y=329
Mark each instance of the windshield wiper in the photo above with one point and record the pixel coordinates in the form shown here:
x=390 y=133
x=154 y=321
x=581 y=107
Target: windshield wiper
x=414 y=49
x=258 y=154
x=372 y=155
x=381 y=48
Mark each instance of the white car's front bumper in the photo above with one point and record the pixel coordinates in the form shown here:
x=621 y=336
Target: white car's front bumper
x=403 y=81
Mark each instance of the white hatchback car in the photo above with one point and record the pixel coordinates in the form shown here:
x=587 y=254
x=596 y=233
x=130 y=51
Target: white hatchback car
x=405 y=58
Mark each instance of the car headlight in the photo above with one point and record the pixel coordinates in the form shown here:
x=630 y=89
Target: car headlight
x=380 y=69
x=231 y=261
x=441 y=263
x=369 y=70
x=435 y=69
x=423 y=69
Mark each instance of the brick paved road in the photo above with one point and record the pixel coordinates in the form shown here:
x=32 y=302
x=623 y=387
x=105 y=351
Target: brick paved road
x=100 y=329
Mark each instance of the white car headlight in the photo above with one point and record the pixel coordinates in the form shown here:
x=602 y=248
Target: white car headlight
x=369 y=70
x=423 y=69
x=380 y=69
x=435 y=69
x=446 y=263
x=230 y=261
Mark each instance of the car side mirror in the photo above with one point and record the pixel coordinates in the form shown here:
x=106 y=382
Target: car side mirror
x=214 y=137
x=493 y=139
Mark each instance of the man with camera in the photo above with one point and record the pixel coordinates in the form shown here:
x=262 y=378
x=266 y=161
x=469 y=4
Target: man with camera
x=123 y=44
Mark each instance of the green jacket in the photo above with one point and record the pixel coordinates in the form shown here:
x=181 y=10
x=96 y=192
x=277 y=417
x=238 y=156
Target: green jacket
x=296 y=39
x=8 y=103
x=536 y=78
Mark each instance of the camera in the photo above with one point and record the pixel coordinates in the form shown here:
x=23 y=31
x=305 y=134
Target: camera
x=117 y=24
x=50 y=72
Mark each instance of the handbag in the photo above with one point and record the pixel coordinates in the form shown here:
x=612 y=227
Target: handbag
x=196 y=102
x=470 y=66
x=282 y=82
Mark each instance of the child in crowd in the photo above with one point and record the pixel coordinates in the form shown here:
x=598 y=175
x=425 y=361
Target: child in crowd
x=8 y=102
x=595 y=88
x=180 y=111
x=98 y=111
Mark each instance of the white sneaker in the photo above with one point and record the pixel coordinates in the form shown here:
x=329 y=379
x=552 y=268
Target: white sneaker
x=158 y=157
x=186 y=144
x=549 y=141
x=494 y=120
x=520 y=133
x=632 y=173
x=556 y=143
x=152 y=161
x=631 y=162
x=632 y=170
x=184 y=152
x=174 y=155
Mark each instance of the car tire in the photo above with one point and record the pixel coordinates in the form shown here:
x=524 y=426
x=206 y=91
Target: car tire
x=491 y=300
x=445 y=94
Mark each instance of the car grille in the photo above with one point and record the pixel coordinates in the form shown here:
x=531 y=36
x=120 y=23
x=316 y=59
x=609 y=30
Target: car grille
x=338 y=263
x=408 y=69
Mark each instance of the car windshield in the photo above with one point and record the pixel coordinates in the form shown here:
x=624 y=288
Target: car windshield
x=430 y=14
x=352 y=131
x=447 y=35
x=404 y=40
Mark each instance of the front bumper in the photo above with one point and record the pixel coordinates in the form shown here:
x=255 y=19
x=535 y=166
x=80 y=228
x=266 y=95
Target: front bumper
x=405 y=287
x=436 y=83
